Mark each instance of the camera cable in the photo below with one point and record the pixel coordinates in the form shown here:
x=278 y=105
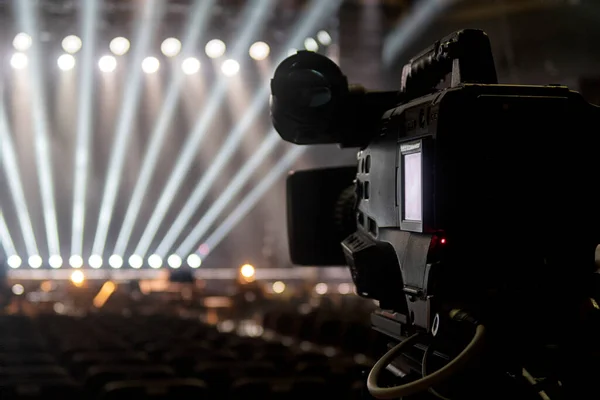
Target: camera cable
x=427 y=381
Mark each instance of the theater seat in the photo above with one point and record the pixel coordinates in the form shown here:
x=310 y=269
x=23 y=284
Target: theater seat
x=40 y=389
x=23 y=359
x=98 y=377
x=81 y=362
x=250 y=389
x=165 y=389
x=40 y=372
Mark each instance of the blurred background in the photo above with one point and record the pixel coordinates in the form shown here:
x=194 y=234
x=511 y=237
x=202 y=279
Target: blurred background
x=140 y=174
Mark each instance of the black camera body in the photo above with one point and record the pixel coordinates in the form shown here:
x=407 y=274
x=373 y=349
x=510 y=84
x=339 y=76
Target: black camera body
x=476 y=196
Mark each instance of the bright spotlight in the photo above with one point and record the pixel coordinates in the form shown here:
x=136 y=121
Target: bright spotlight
x=344 y=288
x=22 y=42
x=194 y=261
x=136 y=261
x=76 y=261
x=190 y=66
x=321 y=288
x=204 y=249
x=311 y=44
x=71 y=44
x=18 y=289
x=170 y=47
x=66 y=62
x=324 y=37
x=150 y=65
x=35 y=261
x=174 y=261
x=154 y=261
x=55 y=261
x=119 y=46
x=14 y=261
x=107 y=63
x=95 y=261
x=77 y=278
x=230 y=67
x=247 y=271
x=215 y=48
x=19 y=61
x=278 y=287
x=259 y=51
x=115 y=261
x=291 y=52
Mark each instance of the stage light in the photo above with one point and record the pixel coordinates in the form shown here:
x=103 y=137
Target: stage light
x=215 y=48
x=259 y=51
x=19 y=61
x=107 y=63
x=22 y=42
x=174 y=261
x=324 y=37
x=170 y=47
x=115 y=261
x=76 y=261
x=247 y=271
x=230 y=67
x=71 y=44
x=119 y=46
x=154 y=261
x=95 y=261
x=35 y=261
x=47 y=286
x=18 y=289
x=190 y=66
x=321 y=288
x=204 y=249
x=311 y=44
x=55 y=261
x=291 y=52
x=150 y=65
x=14 y=261
x=66 y=62
x=344 y=288
x=136 y=261
x=278 y=287
x=194 y=261
x=77 y=278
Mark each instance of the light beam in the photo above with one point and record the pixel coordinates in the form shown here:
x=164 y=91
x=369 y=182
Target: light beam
x=151 y=13
x=194 y=31
x=27 y=19
x=305 y=25
x=254 y=14
x=13 y=176
x=242 y=209
x=84 y=124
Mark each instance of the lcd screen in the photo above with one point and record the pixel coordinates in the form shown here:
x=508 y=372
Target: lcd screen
x=413 y=187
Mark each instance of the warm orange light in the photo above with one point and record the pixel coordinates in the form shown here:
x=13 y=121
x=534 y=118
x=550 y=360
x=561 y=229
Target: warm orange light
x=104 y=294
x=247 y=271
x=46 y=286
x=77 y=278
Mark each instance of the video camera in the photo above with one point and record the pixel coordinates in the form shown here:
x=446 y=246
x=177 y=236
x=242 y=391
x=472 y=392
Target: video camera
x=473 y=211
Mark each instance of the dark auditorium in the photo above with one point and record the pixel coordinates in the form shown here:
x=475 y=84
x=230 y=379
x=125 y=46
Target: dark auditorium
x=299 y=199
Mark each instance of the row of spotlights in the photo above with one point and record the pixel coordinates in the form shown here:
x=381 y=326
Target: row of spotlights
x=171 y=47
x=150 y=65
x=115 y=261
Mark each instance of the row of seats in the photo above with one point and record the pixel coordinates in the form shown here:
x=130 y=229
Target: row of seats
x=157 y=357
x=345 y=328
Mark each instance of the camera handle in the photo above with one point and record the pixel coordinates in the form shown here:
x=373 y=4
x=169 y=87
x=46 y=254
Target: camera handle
x=466 y=55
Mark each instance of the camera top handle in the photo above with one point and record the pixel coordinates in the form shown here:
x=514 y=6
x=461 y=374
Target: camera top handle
x=466 y=55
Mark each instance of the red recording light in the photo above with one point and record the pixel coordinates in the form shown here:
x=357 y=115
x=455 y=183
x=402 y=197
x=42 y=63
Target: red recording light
x=443 y=240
